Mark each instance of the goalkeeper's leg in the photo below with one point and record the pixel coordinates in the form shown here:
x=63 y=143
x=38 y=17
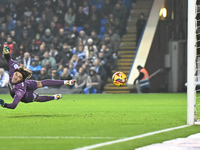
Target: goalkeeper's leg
x=45 y=98
x=50 y=82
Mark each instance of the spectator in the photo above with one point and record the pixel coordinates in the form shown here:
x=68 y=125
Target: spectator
x=61 y=36
x=82 y=37
x=60 y=69
x=87 y=29
x=81 y=78
x=40 y=29
x=93 y=82
x=70 y=17
x=77 y=63
x=72 y=70
x=114 y=36
x=2 y=14
x=74 y=6
x=65 y=75
x=123 y=7
x=47 y=16
x=34 y=48
x=80 y=51
x=71 y=39
x=2 y=38
x=106 y=9
x=10 y=24
x=65 y=55
x=86 y=7
x=41 y=51
x=112 y=23
x=3 y=63
x=86 y=66
x=95 y=12
x=119 y=13
x=43 y=74
x=81 y=17
x=55 y=76
x=66 y=28
x=54 y=53
x=14 y=37
x=25 y=40
x=31 y=32
x=75 y=32
x=95 y=24
x=14 y=51
x=3 y=28
x=35 y=67
x=107 y=58
x=57 y=22
x=37 y=39
x=18 y=29
x=99 y=68
x=54 y=29
x=26 y=60
x=96 y=39
x=57 y=44
x=90 y=48
x=4 y=78
x=47 y=38
x=110 y=45
x=48 y=59
x=140 y=26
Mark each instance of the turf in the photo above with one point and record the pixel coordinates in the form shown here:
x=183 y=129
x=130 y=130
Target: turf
x=81 y=120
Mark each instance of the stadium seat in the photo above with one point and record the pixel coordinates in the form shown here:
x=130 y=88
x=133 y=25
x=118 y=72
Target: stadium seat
x=79 y=28
x=98 y=6
x=102 y=30
x=101 y=36
x=103 y=22
x=70 y=28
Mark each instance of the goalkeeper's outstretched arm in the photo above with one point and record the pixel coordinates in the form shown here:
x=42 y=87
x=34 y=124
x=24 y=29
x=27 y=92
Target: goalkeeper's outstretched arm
x=13 y=105
x=6 y=51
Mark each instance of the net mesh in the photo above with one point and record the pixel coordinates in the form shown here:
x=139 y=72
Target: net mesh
x=197 y=73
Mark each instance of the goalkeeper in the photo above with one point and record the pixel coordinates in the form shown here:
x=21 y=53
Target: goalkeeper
x=22 y=89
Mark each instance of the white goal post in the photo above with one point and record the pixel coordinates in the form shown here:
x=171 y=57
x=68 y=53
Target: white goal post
x=191 y=62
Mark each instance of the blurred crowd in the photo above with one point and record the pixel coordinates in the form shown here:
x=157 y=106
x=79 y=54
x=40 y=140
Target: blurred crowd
x=63 y=39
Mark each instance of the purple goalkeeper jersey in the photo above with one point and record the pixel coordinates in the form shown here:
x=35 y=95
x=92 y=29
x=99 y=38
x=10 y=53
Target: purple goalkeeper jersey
x=22 y=91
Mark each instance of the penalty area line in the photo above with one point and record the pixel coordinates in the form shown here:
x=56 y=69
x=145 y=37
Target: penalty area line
x=129 y=138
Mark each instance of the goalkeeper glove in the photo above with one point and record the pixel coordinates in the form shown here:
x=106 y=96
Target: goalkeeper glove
x=2 y=102
x=6 y=49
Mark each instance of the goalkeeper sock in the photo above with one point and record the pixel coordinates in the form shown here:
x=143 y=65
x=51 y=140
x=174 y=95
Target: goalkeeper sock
x=49 y=82
x=45 y=98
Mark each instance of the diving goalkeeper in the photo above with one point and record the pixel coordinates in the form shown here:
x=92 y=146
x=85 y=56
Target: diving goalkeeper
x=22 y=89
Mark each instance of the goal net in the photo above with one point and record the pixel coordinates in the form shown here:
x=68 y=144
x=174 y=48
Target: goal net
x=193 y=63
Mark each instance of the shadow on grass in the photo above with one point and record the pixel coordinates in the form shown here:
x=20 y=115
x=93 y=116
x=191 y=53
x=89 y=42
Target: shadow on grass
x=38 y=116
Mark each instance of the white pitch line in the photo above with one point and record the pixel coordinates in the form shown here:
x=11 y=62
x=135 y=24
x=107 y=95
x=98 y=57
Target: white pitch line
x=129 y=138
x=53 y=137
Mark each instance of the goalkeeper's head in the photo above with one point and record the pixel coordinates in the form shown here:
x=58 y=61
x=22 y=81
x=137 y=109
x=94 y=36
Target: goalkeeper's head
x=21 y=74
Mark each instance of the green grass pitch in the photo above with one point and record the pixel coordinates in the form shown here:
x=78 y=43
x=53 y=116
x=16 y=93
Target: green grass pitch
x=81 y=120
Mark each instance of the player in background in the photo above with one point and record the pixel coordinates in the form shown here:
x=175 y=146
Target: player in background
x=22 y=89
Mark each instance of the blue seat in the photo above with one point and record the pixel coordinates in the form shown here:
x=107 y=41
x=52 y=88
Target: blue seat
x=102 y=30
x=98 y=6
x=101 y=36
x=103 y=22
x=79 y=28
x=70 y=28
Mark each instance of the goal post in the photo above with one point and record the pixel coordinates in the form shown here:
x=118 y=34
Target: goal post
x=191 y=62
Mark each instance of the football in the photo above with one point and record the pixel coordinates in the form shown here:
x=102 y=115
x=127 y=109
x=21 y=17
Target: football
x=119 y=78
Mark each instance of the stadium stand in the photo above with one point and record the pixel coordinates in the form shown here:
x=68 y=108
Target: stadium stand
x=37 y=29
